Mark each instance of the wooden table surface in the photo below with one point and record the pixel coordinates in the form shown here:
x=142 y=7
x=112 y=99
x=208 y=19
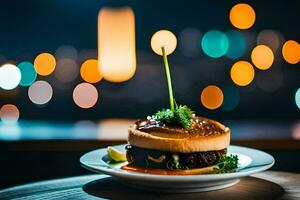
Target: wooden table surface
x=266 y=185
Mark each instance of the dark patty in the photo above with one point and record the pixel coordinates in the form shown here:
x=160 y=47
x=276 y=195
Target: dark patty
x=149 y=158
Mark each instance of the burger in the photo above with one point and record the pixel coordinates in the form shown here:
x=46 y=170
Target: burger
x=176 y=141
x=162 y=148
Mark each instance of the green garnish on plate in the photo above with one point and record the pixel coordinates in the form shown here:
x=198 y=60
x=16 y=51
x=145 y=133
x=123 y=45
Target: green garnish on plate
x=227 y=164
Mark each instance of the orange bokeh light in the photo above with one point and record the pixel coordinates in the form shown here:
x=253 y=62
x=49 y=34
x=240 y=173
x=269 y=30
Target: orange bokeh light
x=44 y=64
x=116 y=44
x=262 y=57
x=212 y=97
x=9 y=113
x=242 y=73
x=291 y=51
x=242 y=16
x=90 y=72
x=85 y=95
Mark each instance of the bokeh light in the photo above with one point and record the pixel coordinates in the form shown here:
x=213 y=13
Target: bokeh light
x=163 y=38
x=66 y=70
x=85 y=95
x=231 y=98
x=90 y=71
x=291 y=51
x=296 y=131
x=44 y=64
x=242 y=16
x=242 y=73
x=297 y=98
x=28 y=73
x=10 y=76
x=262 y=57
x=212 y=97
x=116 y=44
x=214 y=43
x=237 y=44
x=40 y=92
x=9 y=113
x=189 y=42
x=271 y=81
x=66 y=51
x=271 y=38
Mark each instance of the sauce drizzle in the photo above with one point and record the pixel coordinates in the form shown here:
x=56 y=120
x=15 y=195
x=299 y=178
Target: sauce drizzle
x=200 y=127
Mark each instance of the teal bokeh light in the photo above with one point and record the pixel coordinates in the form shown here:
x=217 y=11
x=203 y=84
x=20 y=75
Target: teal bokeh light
x=297 y=98
x=28 y=73
x=231 y=98
x=237 y=44
x=214 y=43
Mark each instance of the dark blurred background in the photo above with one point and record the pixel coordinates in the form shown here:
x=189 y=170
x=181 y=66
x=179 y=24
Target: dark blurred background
x=48 y=139
x=33 y=27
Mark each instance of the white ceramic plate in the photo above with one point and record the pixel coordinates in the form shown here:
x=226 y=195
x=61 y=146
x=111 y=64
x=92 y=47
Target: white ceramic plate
x=250 y=161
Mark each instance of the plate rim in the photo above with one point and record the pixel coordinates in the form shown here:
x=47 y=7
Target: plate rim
x=154 y=177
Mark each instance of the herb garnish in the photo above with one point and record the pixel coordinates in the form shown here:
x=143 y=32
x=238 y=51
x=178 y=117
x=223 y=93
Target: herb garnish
x=227 y=164
x=179 y=115
x=182 y=116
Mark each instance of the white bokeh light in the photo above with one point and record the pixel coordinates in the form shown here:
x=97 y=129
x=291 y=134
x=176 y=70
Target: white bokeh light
x=163 y=38
x=85 y=95
x=10 y=76
x=40 y=92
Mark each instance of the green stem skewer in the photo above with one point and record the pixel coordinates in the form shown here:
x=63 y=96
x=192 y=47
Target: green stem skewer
x=168 y=79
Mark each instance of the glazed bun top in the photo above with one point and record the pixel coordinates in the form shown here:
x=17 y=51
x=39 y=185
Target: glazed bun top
x=204 y=135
